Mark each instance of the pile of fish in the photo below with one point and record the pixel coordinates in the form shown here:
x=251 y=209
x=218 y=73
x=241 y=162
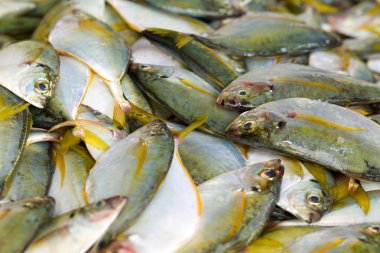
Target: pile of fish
x=189 y=126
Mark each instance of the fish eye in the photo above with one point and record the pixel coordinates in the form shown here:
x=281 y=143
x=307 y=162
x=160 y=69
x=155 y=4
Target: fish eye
x=242 y=93
x=314 y=199
x=255 y=189
x=100 y=204
x=374 y=229
x=281 y=124
x=144 y=66
x=164 y=76
x=247 y=125
x=42 y=86
x=268 y=174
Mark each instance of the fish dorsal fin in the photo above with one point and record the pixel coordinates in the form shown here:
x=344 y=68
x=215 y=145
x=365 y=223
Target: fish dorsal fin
x=318 y=172
x=293 y=166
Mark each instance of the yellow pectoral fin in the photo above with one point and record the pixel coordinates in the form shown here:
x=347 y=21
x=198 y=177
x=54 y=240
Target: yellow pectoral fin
x=318 y=173
x=88 y=124
x=323 y=122
x=240 y=208
x=328 y=246
x=93 y=140
x=140 y=153
x=361 y=197
x=196 y=123
x=8 y=111
x=360 y=111
x=293 y=166
x=321 y=7
x=195 y=87
x=67 y=141
x=4 y=213
x=182 y=40
x=119 y=117
x=60 y=163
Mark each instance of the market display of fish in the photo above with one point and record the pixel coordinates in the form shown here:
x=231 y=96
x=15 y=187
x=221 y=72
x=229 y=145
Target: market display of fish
x=182 y=126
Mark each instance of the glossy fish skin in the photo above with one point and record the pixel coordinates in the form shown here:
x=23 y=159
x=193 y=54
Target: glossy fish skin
x=256 y=35
x=32 y=175
x=76 y=231
x=30 y=69
x=206 y=156
x=364 y=47
x=134 y=14
x=74 y=35
x=75 y=78
x=133 y=94
x=5 y=40
x=283 y=81
x=301 y=195
x=253 y=63
x=313 y=131
x=23 y=218
x=138 y=163
x=200 y=8
x=201 y=59
x=167 y=84
x=257 y=186
x=274 y=241
x=346 y=212
x=14 y=133
x=345 y=239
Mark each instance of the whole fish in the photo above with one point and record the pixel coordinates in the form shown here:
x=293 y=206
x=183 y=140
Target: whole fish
x=206 y=156
x=133 y=167
x=323 y=133
x=177 y=203
x=32 y=175
x=300 y=194
x=236 y=207
x=96 y=44
x=345 y=239
x=197 y=97
x=22 y=218
x=266 y=35
x=346 y=212
x=214 y=66
x=30 y=69
x=282 y=81
x=201 y=9
x=76 y=231
x=135 y=15
x=14 y=129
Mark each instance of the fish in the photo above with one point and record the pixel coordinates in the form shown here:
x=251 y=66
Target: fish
x=167 y=84
x=313 y=131
x=74 y=35
x=282 y=81
x=33 y=173
x=202 y=9
x=77 y=230
x=30 y=70
x=268 y=35
x=214 y=66
x=177 y=202
x=236 y=207
x=345 y=211
x=15 y=125
x=134 y=14
x=23 y=218
x=206 y=156
x=354 y=238
x=140 y=161
x=301 y=194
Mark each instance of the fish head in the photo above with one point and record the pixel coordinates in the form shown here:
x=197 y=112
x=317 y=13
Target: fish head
x=306 y=200
x=256 y=123
x=245 y=95
x=262 y=177
x=103 y=211
x=33 y=73
x=148 y=73
x=371 y=232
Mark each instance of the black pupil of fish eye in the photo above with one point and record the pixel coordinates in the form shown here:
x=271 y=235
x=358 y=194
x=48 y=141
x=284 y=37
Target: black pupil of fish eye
x=42 y=86
x=254 y=189
x=270 y=173
x=164 y=76
x=375 y=228
x=314 y=199
x=247 y=125
x=242 y=93
x=99 y=204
